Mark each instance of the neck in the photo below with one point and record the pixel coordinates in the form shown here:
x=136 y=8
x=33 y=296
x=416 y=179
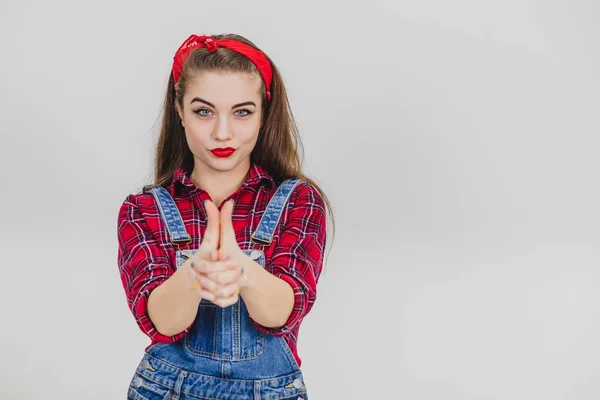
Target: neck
x=218 y=184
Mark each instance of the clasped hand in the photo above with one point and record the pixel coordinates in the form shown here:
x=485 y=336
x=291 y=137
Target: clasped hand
x=216 y=269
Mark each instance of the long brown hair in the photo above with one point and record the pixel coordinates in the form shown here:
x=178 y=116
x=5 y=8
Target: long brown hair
x=278 y=149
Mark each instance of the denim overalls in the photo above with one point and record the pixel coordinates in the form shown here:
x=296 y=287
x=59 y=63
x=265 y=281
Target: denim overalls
x=223 y=356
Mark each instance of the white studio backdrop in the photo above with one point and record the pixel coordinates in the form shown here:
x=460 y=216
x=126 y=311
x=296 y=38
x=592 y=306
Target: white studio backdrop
x=457 y=140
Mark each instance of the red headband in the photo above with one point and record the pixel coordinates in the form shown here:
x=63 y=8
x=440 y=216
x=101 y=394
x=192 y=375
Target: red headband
x=257 y=57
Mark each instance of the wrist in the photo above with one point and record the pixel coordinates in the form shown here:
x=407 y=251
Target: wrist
x=252 y=270
x=189 y=279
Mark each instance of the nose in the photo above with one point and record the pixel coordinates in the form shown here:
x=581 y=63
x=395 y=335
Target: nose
x=223 y=129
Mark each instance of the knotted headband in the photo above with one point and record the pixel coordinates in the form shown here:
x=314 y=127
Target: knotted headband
x=193 y=42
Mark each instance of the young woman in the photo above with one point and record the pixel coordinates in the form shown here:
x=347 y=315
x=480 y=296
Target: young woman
x=220 y=257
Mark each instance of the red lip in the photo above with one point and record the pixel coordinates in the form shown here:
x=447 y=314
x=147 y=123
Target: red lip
x=223 y=153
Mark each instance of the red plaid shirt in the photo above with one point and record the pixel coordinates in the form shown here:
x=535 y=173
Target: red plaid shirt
x=295 y=255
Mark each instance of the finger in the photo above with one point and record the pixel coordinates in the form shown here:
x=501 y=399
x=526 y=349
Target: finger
x=207 y=251
x=221 y=302
x=208 y=284
x=201 y=265
x=205 y=294
x=221 y=255
x=227 y=232
x=228 y=290
x=225 y=277
x=211 y=235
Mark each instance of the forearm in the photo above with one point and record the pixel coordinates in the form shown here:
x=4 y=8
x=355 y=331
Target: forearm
x=173 y=305
x=269 y=299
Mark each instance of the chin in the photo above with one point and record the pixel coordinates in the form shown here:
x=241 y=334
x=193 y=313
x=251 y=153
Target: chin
x=224 y=164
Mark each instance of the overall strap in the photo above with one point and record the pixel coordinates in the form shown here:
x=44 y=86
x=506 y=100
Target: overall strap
x=169 y=214
x=270 y=219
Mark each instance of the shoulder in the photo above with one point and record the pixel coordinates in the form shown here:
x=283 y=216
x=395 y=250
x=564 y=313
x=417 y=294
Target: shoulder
x=139 y=220
x=307 y=194
x=305 y=207
x=304 y=220
x=140 y=209
x=134 y=202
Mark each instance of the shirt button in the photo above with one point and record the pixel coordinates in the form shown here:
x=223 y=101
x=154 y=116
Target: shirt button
x=255 y=255
x=138 y=382
x=297 y=383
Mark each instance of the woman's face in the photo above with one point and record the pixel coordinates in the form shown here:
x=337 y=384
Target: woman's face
x=221 y=116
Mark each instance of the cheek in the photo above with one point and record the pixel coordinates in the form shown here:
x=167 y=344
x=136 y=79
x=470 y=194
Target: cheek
x=248 y=132
x=197 y=131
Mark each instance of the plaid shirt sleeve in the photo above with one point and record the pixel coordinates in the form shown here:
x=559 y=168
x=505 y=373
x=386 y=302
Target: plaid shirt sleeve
x=143 y=265
x=298 y=256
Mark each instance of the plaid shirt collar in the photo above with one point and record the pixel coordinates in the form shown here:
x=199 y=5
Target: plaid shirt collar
x=256 y=175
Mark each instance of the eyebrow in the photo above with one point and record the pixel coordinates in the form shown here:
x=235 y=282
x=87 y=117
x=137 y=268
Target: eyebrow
x=246 y=103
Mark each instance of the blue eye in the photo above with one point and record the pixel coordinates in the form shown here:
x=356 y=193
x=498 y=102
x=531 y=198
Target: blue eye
x=202 y=112
x=247 y=112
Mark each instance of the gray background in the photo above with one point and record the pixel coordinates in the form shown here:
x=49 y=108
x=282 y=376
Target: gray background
x=457 y=140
